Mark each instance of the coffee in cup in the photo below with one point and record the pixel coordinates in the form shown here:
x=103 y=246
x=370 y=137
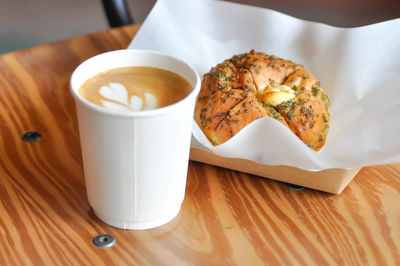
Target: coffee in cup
x=135 y=88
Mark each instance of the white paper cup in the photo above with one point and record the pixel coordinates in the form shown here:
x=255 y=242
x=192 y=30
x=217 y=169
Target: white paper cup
x=135 y=164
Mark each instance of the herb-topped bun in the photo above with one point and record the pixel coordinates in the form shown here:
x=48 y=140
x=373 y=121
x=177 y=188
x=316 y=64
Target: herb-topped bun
x=254 y=85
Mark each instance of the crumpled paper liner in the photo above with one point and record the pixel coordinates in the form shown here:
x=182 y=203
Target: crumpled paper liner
x=359 y=69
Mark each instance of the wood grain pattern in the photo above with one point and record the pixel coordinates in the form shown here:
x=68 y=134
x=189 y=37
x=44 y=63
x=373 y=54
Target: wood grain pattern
x=227 y=218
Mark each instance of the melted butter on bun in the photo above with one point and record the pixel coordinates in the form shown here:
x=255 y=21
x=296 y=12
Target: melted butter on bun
x=276 y=95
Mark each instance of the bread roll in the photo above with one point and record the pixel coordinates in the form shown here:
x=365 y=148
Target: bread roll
x=253 y=85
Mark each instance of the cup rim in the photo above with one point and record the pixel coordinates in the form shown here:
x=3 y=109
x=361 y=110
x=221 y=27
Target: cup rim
x=142 y=113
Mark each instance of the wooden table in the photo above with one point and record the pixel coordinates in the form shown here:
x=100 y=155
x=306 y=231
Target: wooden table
x=227 y=217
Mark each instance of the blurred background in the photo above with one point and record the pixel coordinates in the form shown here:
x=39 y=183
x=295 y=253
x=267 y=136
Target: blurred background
x=26 y=23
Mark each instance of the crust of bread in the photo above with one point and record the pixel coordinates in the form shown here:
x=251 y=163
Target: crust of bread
x=231 y=98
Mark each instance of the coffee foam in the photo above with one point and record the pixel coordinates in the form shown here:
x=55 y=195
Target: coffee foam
x=135 y=88
x=118 y=99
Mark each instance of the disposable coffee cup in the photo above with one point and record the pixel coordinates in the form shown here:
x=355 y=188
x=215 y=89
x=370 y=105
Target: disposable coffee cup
x=135 y=163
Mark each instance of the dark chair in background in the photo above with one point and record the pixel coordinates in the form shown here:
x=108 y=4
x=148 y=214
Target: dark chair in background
x=117 y=13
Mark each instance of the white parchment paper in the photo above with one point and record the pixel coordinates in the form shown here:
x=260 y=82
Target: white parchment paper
x=359 y=68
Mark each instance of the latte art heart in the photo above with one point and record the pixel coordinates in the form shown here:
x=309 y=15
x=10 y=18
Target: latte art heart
x=116 y=92
x=118 y=99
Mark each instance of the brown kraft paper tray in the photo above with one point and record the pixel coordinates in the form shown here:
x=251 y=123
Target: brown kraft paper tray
x=330 y=180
